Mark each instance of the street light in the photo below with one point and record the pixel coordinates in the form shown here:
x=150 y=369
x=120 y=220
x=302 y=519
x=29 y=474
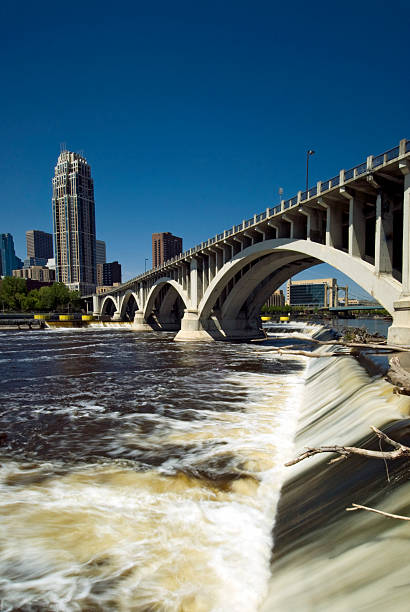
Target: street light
x=146 y=259
x=280 y=194
x=308 y=154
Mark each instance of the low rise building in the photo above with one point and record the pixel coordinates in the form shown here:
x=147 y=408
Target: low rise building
x=36 y=273
x=104 y=288
x=318 y=292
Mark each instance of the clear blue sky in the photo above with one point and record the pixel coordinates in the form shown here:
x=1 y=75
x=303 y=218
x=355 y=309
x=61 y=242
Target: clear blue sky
x=192 y=114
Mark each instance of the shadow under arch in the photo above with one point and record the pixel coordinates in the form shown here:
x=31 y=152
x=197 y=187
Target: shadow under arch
x=165 y=304
x=109 y=307
x=384 y=289
x=262 y=279
x=129 y=306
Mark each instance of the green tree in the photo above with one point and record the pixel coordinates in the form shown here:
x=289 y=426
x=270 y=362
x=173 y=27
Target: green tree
x=12 y=291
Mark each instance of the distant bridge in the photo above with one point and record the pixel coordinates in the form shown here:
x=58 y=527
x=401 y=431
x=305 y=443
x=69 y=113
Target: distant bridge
x=358 y=221
x=358 y=307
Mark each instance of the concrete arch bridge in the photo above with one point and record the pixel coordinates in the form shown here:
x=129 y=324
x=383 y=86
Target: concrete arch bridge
x=358 y=221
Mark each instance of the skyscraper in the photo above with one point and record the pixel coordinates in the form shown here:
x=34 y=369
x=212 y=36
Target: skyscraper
x=108 y=273
x=74 y=222
x=8 y=259
x=101 y=252
x=164 y=247
x=39 y=244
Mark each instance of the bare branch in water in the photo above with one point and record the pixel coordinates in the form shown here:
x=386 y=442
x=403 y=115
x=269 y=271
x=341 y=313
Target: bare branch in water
x=345 y=451
x=388 y=514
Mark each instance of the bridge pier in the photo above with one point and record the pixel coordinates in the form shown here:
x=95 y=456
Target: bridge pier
x=191 y=329
x=399 y=331
x=139 y=323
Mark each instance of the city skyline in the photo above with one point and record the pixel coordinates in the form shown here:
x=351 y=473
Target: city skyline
x=198 y=119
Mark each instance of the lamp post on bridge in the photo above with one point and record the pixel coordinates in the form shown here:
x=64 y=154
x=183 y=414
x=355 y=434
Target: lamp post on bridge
x=308 y=154
x=146 y=259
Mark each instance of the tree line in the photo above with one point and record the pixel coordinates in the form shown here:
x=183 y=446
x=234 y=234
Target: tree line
x=286 y=309
x=14 y=296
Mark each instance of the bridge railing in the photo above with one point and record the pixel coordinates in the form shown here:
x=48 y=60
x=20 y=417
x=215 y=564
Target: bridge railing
x=345 y=175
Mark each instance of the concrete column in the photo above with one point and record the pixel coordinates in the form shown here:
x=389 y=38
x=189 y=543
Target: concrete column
x=260 y=231
x=219 y=259
x=384 y=236
x=96 y=305
x=274 y=226
x=193 y=281
x=334 y=235
x=212 y=265
x=250 y=236
x=357 y=227
x=141 y=301
x=399 y=332
x=406 y=233
x=228 y=254
x=282 y=228
x=205 y=273
x=297 y=226
x=313 y=228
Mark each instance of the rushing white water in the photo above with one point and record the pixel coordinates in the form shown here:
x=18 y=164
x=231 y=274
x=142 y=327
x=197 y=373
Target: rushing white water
x=146 y=527
x=142 y=474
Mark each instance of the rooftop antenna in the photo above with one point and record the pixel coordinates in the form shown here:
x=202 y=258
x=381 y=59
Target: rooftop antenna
x=63 y=147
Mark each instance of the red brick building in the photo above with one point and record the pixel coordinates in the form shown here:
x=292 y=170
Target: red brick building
x=164 y=247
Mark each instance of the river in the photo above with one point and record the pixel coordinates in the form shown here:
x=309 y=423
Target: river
x=142 y=474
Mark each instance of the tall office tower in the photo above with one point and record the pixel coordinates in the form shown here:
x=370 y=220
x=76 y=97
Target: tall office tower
x=8 y=259
x=101 y=252
x=74 y=223
x=164 y=247
x=108 y=273
x=39 y=244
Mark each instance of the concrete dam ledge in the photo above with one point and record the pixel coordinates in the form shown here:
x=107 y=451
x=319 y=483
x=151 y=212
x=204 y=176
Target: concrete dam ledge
x=324 y=558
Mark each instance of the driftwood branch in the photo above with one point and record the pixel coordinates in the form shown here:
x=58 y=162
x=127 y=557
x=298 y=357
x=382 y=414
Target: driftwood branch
x=388 y=514
x=400 y=450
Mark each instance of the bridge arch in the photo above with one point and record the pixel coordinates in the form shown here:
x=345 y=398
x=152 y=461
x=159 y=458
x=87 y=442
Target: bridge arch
x=261 y=281
x=175 y=291
x=108 y=306
x=128 y=306
x=383 y=288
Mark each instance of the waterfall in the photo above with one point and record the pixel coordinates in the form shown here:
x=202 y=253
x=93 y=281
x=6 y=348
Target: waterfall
x=325 y=558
